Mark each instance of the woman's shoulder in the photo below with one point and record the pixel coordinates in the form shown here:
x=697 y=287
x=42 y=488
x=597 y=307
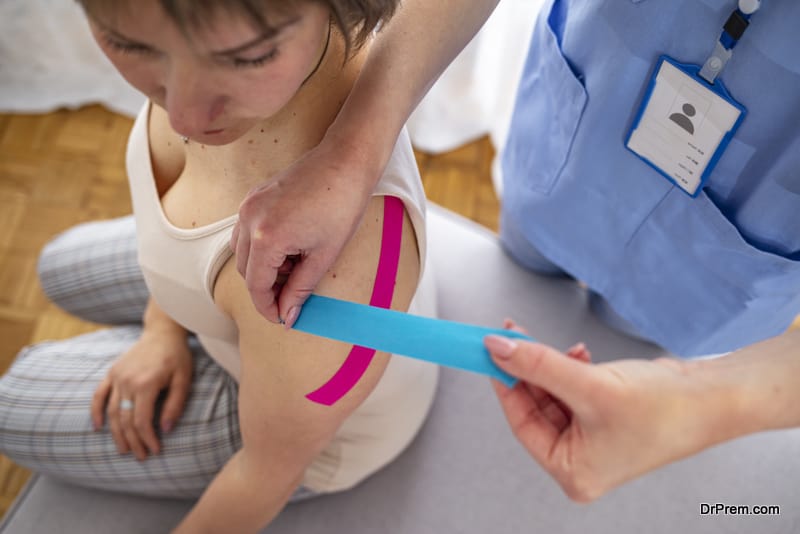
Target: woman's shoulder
x=353 y=275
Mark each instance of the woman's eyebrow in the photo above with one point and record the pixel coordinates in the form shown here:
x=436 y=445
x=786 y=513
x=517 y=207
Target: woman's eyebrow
x=270 y=33
x=108 y=29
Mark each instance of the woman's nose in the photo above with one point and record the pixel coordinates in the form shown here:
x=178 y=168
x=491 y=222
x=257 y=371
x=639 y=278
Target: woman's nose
x=192 y=105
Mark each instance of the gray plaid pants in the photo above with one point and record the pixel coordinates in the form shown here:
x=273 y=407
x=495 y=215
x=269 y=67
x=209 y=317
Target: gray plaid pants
x=91 y=271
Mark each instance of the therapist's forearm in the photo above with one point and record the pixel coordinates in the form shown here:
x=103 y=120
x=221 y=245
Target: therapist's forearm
x=407 y=57
x=765 y=379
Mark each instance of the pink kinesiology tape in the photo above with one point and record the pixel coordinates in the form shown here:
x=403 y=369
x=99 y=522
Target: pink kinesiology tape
x=359 y=358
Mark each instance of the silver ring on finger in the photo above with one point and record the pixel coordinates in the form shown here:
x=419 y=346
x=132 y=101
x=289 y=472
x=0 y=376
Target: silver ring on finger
x=126 y=404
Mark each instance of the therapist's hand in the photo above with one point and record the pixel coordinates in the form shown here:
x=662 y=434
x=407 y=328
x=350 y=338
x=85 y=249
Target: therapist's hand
x=297 y=225
x=593 y=427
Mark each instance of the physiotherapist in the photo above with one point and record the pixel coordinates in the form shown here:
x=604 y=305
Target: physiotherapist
x=654 y=154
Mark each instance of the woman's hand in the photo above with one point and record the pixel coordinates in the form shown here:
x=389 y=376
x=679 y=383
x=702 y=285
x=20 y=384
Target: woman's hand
x=159 y=360
x=297 y=225
x=593 y=427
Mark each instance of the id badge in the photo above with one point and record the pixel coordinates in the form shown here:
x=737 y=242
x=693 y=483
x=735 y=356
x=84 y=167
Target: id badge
x=684 y=124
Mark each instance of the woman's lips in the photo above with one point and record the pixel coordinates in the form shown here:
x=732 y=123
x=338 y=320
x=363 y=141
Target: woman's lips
x=212 y=132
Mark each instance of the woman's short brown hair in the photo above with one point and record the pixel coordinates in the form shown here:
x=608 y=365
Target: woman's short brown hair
x=355 y=18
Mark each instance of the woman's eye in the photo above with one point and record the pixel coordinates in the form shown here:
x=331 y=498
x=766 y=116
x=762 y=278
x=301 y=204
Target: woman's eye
x=257 y=62
x=127 y=48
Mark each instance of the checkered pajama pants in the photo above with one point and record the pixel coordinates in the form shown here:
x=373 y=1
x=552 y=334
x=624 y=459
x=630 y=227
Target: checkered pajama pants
x=91 y=271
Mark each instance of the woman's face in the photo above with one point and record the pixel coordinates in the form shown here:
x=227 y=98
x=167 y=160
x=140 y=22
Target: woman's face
x=217 y=82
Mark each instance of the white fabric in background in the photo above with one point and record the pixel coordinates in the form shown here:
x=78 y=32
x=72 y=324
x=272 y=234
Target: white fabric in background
x=49 y=60
x=475 y=95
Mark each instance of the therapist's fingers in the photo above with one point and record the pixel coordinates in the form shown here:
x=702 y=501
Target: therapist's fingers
x=558 y=412
x=510 y=324
x=537 y=433
x=538 y=423
x=539 y=365
x=305 y=274
x=261 y=270
x=550 y=407
x=555 y=411
x=577 y=351
x=580 y=352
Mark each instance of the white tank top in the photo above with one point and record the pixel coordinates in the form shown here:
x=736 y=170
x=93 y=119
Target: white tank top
x=181 y=266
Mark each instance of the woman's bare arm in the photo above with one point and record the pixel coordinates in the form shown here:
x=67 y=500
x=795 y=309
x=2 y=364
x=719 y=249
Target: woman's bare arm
x=283 y=431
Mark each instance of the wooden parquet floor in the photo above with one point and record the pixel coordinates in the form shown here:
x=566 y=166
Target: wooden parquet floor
x=66 y=167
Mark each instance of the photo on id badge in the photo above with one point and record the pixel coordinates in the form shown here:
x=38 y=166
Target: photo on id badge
x=684 y=124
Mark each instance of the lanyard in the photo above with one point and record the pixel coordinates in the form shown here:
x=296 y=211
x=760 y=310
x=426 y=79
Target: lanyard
x=733 y=30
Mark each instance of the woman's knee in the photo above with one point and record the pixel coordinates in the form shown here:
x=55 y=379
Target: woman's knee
x=19 y=399
x=54 y=266
x=45 y=397
x=68 y=259
x=92 y=271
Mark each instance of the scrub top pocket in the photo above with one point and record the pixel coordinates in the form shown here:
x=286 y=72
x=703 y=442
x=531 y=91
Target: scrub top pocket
x=722 y=181
x=555 y=100
x=747 y=293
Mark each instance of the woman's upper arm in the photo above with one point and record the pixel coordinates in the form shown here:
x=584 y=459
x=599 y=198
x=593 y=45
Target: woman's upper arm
x=279 y=367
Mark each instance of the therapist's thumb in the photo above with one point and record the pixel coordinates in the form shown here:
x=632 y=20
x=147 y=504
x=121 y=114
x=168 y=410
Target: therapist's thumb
x=542 y=366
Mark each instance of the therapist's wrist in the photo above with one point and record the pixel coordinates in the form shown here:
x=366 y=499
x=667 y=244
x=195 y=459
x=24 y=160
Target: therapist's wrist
x=369 y=122
x=723 y=402
x=361 y=150
x=757 y=385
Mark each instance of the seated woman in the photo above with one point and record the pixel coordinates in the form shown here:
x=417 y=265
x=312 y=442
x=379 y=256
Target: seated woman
x=193 y=391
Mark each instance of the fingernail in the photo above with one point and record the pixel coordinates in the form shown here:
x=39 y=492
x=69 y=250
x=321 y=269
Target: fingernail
x=166 y=426
x=292 y=317
x=499 y=346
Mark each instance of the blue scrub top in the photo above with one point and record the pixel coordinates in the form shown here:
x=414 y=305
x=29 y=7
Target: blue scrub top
x=698 y=276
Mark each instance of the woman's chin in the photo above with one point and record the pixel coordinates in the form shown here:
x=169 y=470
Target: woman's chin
x=224 y=136
x=218 y=137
